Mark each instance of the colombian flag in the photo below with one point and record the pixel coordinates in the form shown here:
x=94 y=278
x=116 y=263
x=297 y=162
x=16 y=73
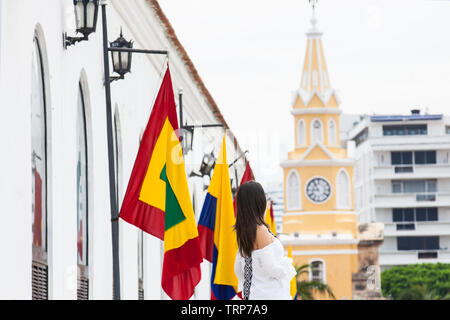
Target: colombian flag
x=215 y=228
x=158 y=201
x=269 y=218
x=294 y=279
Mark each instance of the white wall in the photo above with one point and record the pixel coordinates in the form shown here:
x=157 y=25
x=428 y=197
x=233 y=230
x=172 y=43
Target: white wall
x=133 y=97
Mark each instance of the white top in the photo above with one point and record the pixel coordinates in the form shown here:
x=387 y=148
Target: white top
x=272 y=273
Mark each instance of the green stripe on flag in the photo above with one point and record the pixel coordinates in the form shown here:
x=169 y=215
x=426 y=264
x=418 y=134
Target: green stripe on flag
x=173 y=212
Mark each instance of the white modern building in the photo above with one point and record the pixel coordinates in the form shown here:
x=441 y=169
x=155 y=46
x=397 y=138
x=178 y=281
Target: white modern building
x=402 y=178
x=55 y=230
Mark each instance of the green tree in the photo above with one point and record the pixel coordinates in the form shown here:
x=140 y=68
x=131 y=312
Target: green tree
x=306 y=289
x=426 y=281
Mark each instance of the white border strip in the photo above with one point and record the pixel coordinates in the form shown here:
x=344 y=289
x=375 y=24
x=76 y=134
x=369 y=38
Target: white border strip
x=322 y=252
x=318 y=242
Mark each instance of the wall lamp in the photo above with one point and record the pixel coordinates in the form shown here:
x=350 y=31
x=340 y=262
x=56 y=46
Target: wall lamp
x=86 y=13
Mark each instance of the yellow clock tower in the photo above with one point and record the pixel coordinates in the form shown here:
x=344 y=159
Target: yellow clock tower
x=319 y=221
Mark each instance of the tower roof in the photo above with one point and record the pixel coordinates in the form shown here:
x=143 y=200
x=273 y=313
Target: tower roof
x=315 y=73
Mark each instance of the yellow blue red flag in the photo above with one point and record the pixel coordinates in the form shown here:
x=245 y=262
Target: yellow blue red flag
x=215 y=227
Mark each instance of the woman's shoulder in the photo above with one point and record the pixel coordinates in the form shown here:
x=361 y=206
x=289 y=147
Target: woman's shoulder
x=263 y=237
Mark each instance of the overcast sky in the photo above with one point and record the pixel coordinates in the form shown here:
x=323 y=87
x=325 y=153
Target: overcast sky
x=383 y=56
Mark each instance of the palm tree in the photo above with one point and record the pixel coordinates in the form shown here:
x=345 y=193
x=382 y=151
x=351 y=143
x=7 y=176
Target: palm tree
x=421 y=292
x=306 y=289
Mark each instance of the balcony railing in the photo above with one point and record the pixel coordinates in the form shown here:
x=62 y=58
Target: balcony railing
x=412 y=171
x=398 y=257
x=408 y=200
x=418 y=228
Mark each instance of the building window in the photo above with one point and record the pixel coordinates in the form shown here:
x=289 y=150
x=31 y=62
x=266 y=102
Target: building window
x=315 y=78
x=418 y=243
x=425 y=157
x=414 y=186
x=447 y=129
x=116 y=155
x=405 y=130
x=416 y=157
x=414 y=214
x=39 y=176
x=293 y=191
x=316 y=131
x=332 y=132
x=82 y=199
x=301 y=133
x=343 y=192
x=317 y=271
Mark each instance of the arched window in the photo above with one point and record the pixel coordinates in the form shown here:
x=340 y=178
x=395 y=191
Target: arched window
x=82 y=199
x=316 y=131
x=315 y=78
x=293 y=191
x=317 y=271
x=39 y=175
x=301 y=133
x=140 y=246
x=343 y=192
x=117 y=162
x=332 y=132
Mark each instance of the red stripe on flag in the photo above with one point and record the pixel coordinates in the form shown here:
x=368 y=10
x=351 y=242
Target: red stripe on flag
x=206 y=236
x=181 y=273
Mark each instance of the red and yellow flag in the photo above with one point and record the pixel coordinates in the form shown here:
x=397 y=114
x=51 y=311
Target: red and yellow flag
x=157 y=199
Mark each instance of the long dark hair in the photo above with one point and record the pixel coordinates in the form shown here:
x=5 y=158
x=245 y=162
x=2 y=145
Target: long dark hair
x=250 y=208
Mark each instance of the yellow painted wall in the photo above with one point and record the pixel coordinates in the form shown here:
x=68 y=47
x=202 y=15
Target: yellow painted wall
x=339 y=269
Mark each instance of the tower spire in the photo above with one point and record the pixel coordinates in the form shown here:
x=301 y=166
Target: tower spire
x=315 y=73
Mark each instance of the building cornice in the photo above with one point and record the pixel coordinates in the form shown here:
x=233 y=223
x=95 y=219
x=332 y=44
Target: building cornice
x=305 y=213
x=316 y=163
x=302 y=111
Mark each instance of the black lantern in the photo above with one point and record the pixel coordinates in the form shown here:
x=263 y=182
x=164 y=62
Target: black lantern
x=86 y=13
x=206 y=167
x=186 y=138
x=121 y=59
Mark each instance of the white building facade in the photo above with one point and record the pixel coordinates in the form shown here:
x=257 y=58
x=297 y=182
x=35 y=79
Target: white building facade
x=402 y=179
x=54 y=186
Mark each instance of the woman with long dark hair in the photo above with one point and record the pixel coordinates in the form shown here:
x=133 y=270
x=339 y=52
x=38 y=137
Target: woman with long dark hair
x=262 y=269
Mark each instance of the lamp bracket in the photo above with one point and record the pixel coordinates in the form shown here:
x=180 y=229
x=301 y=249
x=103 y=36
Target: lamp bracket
x=70 y=41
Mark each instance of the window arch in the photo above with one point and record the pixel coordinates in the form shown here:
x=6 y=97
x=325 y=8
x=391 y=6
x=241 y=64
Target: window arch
x=301 y=133
x=317 y=270
x=293 y=194
x=316 y=131
x=117 y=146
x=332 y=133
x=315 y=78
x=82 y=198
x=343 y=192
x=39 y=167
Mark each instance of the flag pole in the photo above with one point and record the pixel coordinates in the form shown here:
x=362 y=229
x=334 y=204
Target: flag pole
x=113 y=197
x=112 y=178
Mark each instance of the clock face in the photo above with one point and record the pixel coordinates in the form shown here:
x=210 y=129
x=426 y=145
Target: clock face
x=318 y=190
